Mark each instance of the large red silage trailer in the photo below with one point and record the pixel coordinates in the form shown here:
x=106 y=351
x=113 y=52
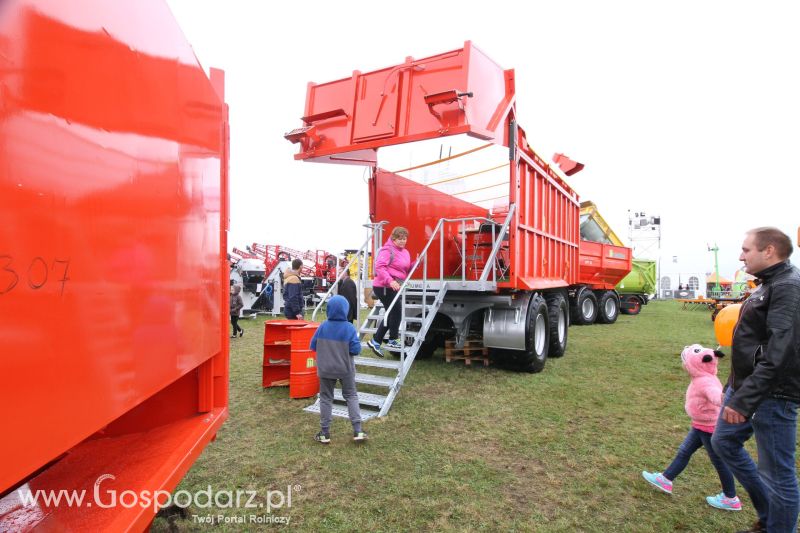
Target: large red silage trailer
x=113 y=204
x=503 y=236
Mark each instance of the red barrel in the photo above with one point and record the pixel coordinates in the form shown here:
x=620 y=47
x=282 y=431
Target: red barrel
x=278 y=330
x=277 y=351
x=303 y=380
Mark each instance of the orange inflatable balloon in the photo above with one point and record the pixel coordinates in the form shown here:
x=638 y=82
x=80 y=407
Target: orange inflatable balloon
x=725 y=323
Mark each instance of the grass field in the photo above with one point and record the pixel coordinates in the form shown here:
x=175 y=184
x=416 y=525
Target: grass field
x=480 y=449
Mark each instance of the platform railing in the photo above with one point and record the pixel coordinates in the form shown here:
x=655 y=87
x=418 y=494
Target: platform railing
x=374 y=235
x=422 y=259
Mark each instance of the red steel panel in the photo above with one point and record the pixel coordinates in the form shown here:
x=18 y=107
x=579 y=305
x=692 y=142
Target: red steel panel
x=544 y=250
x=346 y=120
x=462 y=91
x=403 y=202
x=602 y=266
x=113 y=220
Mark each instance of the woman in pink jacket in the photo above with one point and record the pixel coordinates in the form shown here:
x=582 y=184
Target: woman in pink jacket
x=392 y=264
x=703 y=404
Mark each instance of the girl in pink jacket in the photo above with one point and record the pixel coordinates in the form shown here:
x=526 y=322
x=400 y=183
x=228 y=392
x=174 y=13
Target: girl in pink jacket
x=703 y=404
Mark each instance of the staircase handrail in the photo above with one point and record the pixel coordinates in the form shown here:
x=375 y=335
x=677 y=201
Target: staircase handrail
x=423 y=255
x=372 y=229
x=499 y=242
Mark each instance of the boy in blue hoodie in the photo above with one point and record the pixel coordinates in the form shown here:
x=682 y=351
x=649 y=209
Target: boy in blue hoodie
x=336 y=342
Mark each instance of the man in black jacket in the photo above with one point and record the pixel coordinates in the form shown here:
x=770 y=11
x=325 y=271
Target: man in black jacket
x=763 y=390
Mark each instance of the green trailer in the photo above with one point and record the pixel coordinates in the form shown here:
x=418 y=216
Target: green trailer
x=636 y=289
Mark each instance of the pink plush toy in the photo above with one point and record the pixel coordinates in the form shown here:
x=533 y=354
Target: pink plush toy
x=704 y=395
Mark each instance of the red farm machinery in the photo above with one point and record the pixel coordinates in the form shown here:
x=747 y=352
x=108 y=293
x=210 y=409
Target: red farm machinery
x=113 y=187
x=496 y=228
x=259 y=271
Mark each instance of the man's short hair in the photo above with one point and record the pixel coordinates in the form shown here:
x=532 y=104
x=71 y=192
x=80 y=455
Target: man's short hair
x=766 y=235
x=296 y=264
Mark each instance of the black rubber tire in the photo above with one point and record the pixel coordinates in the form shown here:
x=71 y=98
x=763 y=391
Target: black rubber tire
x=537 y=337
x=584 y=312
x=432 y=342
x=607 y=308
x=558 y=314
x=634 y=306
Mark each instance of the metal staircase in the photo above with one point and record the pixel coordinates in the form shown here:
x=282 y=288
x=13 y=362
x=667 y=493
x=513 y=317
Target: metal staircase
x=419 y=301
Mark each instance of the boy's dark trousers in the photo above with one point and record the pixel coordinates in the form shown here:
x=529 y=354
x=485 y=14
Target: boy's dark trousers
x=235 y=323
x=326 y=386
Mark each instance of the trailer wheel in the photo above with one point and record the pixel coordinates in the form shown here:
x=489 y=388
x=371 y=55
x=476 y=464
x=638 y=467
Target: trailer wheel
x=537 y=336
x=633 y=306
x=585 y=310
x=558 y=314
x=608 y=308
x=429 y=345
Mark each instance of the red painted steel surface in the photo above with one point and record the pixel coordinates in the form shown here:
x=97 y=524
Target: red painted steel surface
x=113 y=273
x=546 y=230
x=346 y=120
x=603 y=265
x=418 y=208
x=462 y=91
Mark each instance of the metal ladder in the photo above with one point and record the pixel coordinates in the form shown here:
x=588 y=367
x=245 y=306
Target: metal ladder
x=419 y=300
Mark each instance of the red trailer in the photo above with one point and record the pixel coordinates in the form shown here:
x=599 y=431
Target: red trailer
x=499 y=241
x=113 y=204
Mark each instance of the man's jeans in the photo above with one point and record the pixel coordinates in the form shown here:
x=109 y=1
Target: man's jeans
x=772 y=485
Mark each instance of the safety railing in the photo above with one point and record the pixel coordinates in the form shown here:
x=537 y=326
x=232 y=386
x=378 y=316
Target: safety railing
x=422 y=259
x=375 y=235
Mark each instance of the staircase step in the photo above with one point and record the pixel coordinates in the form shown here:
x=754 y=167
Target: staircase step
x=364 y=398
x=377 y=363
x=419 y=306
x=390 y=349
x=411 y=334
x=413 y=320
x=340 y=411
x=371 y=379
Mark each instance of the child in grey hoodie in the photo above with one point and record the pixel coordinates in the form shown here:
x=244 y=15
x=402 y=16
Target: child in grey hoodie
x=336 y=342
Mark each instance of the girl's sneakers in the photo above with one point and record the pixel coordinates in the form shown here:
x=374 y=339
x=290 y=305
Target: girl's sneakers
x=720 y=501
x=322 y=438
x=658 y=480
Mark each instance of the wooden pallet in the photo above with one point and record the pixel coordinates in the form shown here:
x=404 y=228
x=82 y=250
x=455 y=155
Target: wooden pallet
x=473 y=350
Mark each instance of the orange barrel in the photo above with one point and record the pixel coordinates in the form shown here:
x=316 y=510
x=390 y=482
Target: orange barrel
x=278 y=330
x=300 y=336
x=303 y=380
x=277 y=352
x=303 y=360
x=275 y=376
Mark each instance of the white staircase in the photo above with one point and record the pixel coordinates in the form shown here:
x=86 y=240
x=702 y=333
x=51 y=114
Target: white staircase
x=418 y=309
x=419 y=301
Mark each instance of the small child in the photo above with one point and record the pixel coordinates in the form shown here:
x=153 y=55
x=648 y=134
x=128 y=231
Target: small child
x=703 y=404
x=336 y=342
x=236 y=305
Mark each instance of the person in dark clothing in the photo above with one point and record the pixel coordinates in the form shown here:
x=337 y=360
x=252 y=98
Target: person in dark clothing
x=293 y=291
x=236 y=305
x=336 y=343
x=347 y=288
x=763 y=390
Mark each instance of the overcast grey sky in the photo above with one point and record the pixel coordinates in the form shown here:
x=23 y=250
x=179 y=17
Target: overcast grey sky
x=683 y=109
